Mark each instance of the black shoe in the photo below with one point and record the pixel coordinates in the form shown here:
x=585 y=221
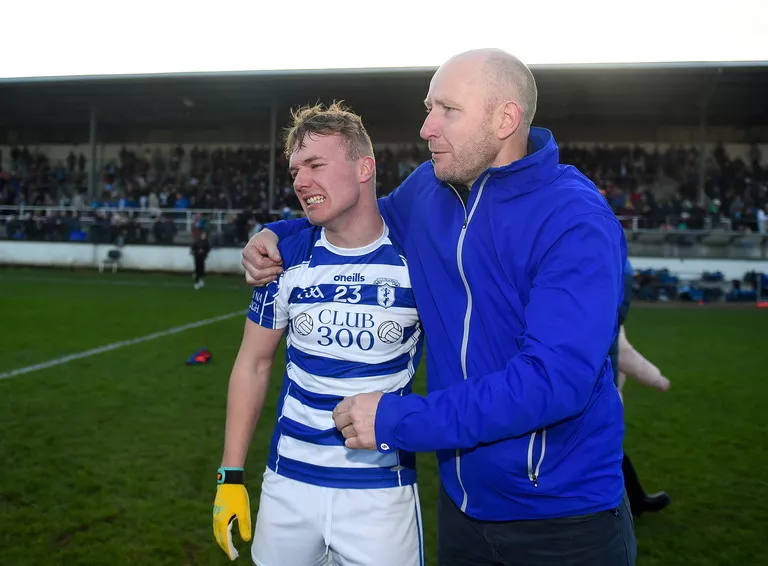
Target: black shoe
x=652 y=503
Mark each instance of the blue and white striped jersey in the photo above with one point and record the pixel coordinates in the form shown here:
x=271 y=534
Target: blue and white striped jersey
x=352 y=328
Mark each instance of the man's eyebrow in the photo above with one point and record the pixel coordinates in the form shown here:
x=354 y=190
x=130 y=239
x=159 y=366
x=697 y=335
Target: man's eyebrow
x=305 y=161
x=440 y=102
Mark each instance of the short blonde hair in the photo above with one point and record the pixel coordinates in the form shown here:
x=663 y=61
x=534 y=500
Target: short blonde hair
x=334 y=120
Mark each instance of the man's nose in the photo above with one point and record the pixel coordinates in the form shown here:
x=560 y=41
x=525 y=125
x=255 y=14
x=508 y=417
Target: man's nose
x=429 y=128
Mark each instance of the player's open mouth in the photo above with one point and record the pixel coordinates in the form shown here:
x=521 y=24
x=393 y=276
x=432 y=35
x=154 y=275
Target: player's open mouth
x=315 y=200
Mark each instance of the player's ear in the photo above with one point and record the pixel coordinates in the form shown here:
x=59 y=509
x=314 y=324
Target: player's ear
x=366 y=168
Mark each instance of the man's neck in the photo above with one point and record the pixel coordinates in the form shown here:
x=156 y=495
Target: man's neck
x=513 y=151
x=356 y=231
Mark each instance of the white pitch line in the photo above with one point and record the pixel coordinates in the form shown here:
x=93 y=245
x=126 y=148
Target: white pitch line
x=113 y=282
x=116 y=345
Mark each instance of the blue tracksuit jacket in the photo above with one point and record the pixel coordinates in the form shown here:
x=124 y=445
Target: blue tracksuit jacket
x=519 y=290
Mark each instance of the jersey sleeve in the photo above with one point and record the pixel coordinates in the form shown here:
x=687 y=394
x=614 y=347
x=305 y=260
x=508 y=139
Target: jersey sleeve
x=268 y=307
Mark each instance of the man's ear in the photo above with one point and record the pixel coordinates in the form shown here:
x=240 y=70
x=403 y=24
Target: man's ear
x=511 y=118
x=366 y=168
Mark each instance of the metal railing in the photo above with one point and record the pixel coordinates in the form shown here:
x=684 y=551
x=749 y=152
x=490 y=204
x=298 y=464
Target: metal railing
x=182 y=218
x=710 y=242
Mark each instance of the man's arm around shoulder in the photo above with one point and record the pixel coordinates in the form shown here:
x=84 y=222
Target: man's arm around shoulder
x=262 y=260
x=394 y=207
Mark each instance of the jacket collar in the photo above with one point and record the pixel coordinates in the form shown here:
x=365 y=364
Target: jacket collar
x=537 y=168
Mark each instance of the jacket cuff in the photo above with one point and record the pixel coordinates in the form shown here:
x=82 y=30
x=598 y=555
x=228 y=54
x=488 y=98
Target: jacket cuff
x=387 y=418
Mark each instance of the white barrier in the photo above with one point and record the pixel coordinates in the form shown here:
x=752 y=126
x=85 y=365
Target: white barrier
x=227 y=260
x=134 y=257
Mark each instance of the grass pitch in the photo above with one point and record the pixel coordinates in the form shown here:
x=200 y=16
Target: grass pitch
x=111 y=458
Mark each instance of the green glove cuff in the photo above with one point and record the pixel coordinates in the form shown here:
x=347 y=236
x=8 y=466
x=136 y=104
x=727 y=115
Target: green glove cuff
x=230 y=475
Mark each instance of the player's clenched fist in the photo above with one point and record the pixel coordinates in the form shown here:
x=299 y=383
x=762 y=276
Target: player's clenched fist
x=232 y=503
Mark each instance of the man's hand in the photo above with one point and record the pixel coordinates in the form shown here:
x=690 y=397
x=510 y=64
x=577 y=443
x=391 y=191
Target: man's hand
x=261 y=259
x=232 y=503
x=355 y=417
x=662 y=384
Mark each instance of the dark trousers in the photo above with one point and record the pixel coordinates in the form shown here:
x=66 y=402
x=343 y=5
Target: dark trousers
x=199 y=268
x=597 y=539
x=632 y=484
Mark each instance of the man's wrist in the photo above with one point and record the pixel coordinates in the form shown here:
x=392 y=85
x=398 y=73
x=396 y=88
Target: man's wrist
x=231 y=475
x=387 y=416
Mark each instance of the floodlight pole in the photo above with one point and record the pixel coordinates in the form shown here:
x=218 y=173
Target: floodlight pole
x=702 y=150
x=272 y=153
x=703 y=108
x=92 y=160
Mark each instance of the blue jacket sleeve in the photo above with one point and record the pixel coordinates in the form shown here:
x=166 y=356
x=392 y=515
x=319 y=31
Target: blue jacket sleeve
x=571 y=322
x=285 y=228
x=396 y=210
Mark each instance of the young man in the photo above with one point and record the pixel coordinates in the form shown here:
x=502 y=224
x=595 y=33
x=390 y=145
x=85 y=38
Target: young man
x=517 y=265
x=345 y=299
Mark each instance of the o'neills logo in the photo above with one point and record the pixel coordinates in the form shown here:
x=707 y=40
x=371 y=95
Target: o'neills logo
x=354 y=278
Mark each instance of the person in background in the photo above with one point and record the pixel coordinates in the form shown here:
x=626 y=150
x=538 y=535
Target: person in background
x=629 y=362
x=201 y=247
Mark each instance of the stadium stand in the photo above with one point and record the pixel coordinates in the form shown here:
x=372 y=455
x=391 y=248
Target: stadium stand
x=154 y=173
x=167 y=197
x=46 y=199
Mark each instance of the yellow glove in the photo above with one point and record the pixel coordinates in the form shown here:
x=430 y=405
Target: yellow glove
x=231 y=503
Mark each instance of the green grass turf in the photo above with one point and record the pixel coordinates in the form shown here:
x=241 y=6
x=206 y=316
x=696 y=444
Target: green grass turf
x=111 y=459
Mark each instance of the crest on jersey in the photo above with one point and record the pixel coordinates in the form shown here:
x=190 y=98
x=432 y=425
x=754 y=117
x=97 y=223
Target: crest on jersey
x=385 y=292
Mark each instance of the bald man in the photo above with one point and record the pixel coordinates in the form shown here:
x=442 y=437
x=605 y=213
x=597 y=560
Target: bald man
x=516 y=264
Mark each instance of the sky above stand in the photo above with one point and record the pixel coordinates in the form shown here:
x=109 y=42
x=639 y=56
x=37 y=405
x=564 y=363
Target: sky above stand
x=46 y=39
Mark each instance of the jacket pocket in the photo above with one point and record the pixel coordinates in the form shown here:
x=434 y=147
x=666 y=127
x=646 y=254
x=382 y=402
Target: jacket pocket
x=534 y=470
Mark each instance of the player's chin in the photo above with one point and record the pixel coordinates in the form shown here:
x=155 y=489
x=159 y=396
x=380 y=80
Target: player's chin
x=312 y=216
x=318 y=215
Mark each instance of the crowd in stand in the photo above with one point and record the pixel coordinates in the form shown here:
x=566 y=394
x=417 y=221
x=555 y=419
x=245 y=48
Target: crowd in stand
x=138 y=190
x=662 y=189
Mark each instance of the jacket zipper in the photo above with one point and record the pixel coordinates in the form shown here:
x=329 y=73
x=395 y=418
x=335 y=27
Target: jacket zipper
x=533 y=475
x=467 y=315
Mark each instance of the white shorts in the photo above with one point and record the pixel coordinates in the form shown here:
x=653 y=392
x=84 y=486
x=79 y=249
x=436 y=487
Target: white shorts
x=300 y=524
